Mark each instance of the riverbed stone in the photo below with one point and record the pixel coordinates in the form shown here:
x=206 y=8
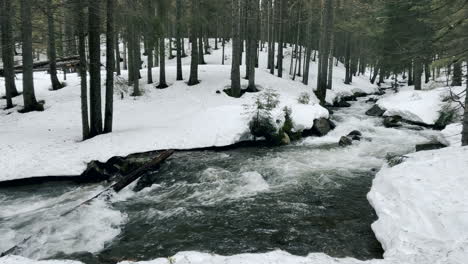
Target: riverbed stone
x=375 y=111
x=342 y=103
x=321 y=126
x=285 y=140
x=345 y=141
x=392 y=121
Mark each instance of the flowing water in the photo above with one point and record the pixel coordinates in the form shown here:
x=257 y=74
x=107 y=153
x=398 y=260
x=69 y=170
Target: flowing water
x=302 y=198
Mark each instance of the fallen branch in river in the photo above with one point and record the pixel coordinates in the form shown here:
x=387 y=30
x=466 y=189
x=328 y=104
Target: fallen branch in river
x=117 y=187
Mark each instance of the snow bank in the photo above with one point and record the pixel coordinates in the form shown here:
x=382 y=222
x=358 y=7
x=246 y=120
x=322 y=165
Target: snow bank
x=417 y=106
x=422 y=207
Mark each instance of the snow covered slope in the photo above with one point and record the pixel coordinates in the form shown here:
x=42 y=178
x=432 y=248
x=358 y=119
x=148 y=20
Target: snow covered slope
x=417 y=106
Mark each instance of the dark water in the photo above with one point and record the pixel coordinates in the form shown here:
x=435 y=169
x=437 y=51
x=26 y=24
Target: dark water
x=242 y=201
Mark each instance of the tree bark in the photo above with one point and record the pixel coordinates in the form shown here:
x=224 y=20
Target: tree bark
x=418 y=71
x=83 y=77
x=325 y=42
x=94 y=22
x=178 y=39
x=252 y=43
x=465 y=118
x=29 y=97
x=193 y=79
x=117 y=54
x=162 y=64
x=7 y=51
x=235 y=68
x=457 y=74
x=56 y=85
x=110 y=64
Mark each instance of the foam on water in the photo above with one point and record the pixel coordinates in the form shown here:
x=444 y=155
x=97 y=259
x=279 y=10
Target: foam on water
x=86 y=229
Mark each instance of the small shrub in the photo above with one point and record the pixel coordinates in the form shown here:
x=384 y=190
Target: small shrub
x=304 y=98
x=269 y=100
x=262 y=125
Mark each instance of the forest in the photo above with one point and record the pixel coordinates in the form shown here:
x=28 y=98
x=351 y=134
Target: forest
x=233 y=131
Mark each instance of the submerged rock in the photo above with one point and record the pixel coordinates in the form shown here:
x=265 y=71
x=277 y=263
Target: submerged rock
x=430 y=146
x=392 y=121
x=375 y=111
x=394 y=159
x=345 y=141
x=342 y=103
x=355 y=133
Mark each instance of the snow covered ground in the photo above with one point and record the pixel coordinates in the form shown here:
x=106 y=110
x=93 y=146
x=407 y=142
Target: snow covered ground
x=49 y=143
x=419 y=106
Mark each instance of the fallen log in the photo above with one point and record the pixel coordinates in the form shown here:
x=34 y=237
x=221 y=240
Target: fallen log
x=117 y=187
x=45 y=64
x=127 y=180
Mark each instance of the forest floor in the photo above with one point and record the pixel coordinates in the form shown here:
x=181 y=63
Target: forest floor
x=421 y=203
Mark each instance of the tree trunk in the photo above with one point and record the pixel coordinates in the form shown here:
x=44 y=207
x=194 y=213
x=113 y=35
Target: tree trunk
x=348 y=59
x=110 y=64
x=410 y=75
x=418 y=71
x=325 y=40
x=117 y=54
x=457 y=74
x=178 y=44
x=29 y=97
x=7 y=51
x=125 y=57
x=81 y=5
x=465 y=118
x=94 y=22
x=252 y=42
x=162 y=64
x=235 y=69
x=201 y=57
x=193 y=79
x=281 y=37
x=56 y=85
x=330 y=63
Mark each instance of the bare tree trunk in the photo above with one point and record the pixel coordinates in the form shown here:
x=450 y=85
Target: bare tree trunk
x=418 y=71
x=193 y=80
x=178 y=44
x=235 y=69
x=110 y=64
x=117 y=53
x=81 y=5
x=252 y=42
x=125 y=64
x=7 y=51
x=325 y=42
x=56 y=85
x=330 y=62
x=29 y=97
x=162 y=64
x=465 y=117
x=94 y=23
x=457 y=74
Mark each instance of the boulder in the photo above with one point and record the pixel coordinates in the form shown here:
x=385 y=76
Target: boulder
x=430 y=146
x=375 y=111
x=392 y=121
x=372 y=100
x=345 y=141
x=285 y=140
x=355 y=133
x=321 y=126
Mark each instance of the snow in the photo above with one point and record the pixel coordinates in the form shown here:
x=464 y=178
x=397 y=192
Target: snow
x=418 y=106
x=422 y=207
